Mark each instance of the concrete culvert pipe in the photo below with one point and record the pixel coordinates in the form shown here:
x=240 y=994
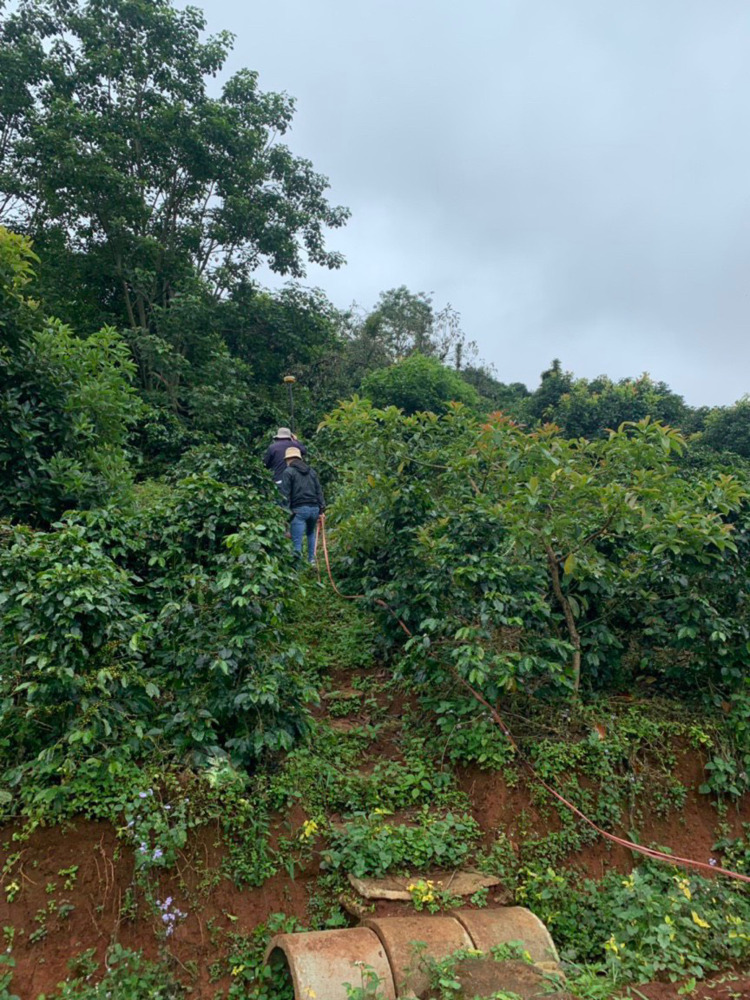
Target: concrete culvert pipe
x=489 y=928
x=403 y=938
x=318 y=963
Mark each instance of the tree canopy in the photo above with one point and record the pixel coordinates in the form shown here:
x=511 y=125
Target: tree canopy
x=114 y=151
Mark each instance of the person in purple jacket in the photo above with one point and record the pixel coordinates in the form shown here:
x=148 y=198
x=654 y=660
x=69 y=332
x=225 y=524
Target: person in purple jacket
x=274 y=456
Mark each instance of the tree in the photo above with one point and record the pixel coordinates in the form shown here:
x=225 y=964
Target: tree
x=66 y=405
x=510 y=398
x=403 y=323
x=592 y=408
x=112 y=149
x=728 y=428
x=418 y=383
x=555 y=383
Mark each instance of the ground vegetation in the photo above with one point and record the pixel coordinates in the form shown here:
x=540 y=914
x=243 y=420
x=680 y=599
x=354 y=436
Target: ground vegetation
x=200 y=742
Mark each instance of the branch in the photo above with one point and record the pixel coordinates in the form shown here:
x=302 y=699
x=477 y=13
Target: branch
x=570 y=621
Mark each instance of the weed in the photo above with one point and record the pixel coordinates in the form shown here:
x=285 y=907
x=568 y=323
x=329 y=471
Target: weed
x=127 y=976
x=7 y=965
x=370 y=845
x=252 y=978
x=369 y=986
x=431 y=896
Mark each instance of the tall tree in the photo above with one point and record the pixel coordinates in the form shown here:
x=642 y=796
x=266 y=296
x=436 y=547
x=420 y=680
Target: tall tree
x=111 y=145
x=403 y=322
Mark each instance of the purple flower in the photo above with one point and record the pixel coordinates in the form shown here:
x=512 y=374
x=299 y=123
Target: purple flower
x=158 y=853
x=712 y=861
x=143 y=848
x=142 y=795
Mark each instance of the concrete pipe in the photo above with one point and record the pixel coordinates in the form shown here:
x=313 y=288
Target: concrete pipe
x=489 y=928
x=318 y=963
x=402 y=936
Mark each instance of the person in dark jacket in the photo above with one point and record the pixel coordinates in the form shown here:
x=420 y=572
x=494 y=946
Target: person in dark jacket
x=274 y=456
x=304 y=496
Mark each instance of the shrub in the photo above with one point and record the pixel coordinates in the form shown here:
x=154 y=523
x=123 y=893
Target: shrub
x=66 y=403
x=158 y=626
x=416 y=384
x=528 y=561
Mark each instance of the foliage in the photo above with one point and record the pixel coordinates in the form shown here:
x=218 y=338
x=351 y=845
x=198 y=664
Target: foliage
x=404 y=323
x=656 y=921
x=7 y=964
x=427 y=895
x=674 y=924
x=369 y=985
x=66 y=405
x=128 y=976
x=157 y=627
x=252 y=978
x=370 y=845
x=516 y=557
x=727 y=428
x=495 y=395
x=591 y=409
x=466 y=737
x=114 y=140
x=418 y=383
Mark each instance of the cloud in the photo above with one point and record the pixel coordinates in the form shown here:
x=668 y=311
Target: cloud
x=572 y=177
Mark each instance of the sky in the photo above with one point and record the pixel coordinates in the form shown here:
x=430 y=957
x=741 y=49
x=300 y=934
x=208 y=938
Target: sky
x=573 y=176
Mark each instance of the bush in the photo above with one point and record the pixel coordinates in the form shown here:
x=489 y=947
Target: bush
x=529 y=561
x=129 y=976
x=66 y=404
x=418 y=384
x=657 y=921
x=162 y=626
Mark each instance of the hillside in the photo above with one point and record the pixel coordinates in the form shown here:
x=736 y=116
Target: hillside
x=272 y=849
x=537 y=688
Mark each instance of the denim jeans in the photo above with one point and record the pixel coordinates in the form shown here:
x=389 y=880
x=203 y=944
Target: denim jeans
x=304 y=522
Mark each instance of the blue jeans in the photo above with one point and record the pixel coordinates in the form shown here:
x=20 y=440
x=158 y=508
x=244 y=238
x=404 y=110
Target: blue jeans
x=304 y=522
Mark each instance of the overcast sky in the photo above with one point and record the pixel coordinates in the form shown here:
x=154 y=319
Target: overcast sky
x=573 y=176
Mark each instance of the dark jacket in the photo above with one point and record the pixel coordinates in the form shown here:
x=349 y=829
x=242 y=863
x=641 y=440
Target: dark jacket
x=274 y=457
x=301 y=486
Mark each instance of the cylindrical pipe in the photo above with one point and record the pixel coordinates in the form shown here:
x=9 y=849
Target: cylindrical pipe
x=409 y=940
x=489 y=928
x=321 y=962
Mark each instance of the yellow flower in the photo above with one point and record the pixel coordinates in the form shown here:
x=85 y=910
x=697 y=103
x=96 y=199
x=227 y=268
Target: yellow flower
x=684 y=886
x=628 y=882
x=612 y=946
x=309 y=829
x=699 y=920
x=238 y=969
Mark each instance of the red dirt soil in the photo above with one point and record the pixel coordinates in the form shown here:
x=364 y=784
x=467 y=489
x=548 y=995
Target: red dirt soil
x=103 y=886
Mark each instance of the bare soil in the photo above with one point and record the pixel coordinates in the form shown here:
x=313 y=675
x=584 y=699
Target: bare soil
x=104 y=908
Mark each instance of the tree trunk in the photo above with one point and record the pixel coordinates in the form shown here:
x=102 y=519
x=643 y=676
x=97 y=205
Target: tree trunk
x=570 y=621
